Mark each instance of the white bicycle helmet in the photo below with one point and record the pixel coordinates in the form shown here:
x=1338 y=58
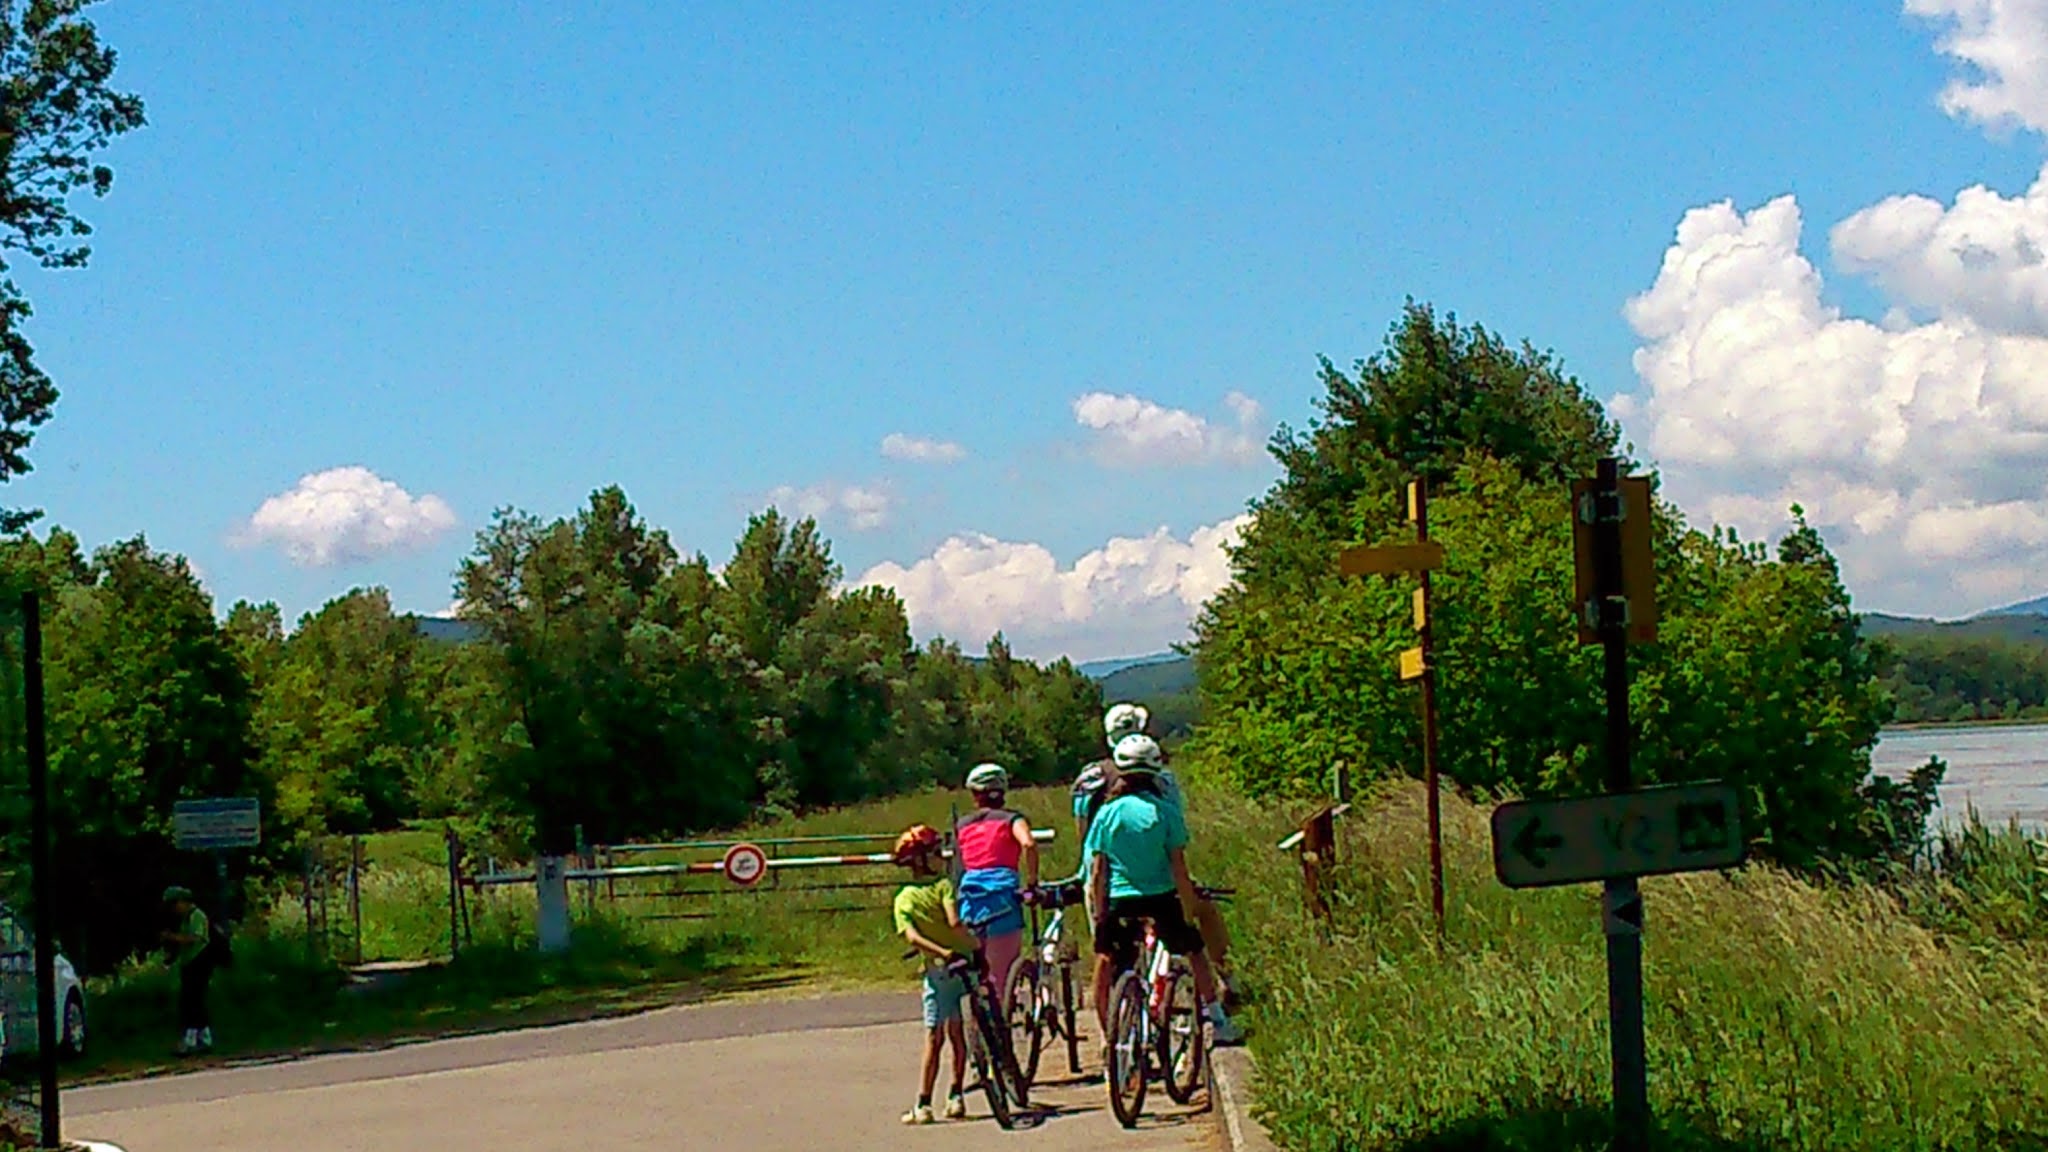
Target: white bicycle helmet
x=1124 y=720
x=988 y=778
x=1138 y=753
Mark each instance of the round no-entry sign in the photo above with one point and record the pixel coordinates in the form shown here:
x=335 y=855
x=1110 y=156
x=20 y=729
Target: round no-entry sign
x=745 y=864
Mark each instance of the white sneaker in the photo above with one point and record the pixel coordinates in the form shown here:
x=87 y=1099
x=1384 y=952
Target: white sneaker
x=956 y=1107
x=922 y=1114
x=1224 y=1030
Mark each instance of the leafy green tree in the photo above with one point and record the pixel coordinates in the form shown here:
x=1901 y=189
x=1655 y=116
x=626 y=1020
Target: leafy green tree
x=57 y=110
x=1759 y=678
x=590 y=623
x=345 y=716
x=147 y=705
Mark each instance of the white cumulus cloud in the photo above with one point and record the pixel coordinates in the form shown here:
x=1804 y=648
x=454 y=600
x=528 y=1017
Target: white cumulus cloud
x=1133 y=595
x=1985 y=257
x=2003 y=45
x=1134 y=432
x=1919 y=444
x=857 y=506
x=346 y=516
x=898 y=446
x=1921 y=449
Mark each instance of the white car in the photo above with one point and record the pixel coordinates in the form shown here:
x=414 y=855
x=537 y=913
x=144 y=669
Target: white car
x=18 y=1033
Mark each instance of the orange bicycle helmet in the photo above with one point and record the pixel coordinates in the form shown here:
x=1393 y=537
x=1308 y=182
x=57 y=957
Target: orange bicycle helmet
x=917 y=840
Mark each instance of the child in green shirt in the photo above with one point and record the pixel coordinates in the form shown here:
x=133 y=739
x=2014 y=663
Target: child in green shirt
x=928 y=919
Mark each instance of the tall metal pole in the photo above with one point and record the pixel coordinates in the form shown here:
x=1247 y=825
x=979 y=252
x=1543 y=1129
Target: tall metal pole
x=42 y=880
x=1419 y=498
x=1622 y=900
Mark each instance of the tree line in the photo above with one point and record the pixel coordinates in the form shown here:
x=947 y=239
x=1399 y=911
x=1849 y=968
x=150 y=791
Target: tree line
x=616 y=687
x=1959 y=679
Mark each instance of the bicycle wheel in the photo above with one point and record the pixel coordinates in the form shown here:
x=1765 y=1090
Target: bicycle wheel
x=987 y=1060
x=1128 y=1051
x=1183 y=1037
x=1027 y=1012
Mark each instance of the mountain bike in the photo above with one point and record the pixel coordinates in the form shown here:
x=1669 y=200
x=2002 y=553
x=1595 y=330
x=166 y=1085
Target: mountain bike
x=1039 y=1007
x=1157 y=1027
x=988 y=1041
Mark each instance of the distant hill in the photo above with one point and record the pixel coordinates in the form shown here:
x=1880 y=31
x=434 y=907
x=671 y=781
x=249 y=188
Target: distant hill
x=1147 y=682
x=446 y=628
x=1099 y=669
x=2038 y=606
x=2002 y=624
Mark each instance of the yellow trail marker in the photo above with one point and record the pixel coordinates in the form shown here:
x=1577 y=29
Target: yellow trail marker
x=1411 y=664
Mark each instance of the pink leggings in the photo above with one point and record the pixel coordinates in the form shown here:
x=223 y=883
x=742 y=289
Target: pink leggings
x=998 y=953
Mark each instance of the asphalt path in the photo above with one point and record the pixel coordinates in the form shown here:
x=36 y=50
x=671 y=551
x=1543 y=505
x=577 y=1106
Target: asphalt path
x=815 y=1074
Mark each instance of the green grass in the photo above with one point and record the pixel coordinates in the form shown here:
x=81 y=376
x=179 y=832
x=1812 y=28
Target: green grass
x=1778 y=1014
x=279 y=998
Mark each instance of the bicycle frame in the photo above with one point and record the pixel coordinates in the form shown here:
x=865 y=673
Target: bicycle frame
x=1059 y=1010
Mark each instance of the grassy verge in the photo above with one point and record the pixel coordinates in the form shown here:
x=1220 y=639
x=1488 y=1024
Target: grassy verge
x=1780 y=1015
x=279 y=999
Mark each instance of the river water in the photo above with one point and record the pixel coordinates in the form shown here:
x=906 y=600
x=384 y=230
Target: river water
x=2001 y=771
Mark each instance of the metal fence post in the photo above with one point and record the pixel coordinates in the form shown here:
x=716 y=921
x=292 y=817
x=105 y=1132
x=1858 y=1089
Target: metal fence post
x=42 y=880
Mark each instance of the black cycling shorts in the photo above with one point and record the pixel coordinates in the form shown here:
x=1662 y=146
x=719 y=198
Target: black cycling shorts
x=1123 y=928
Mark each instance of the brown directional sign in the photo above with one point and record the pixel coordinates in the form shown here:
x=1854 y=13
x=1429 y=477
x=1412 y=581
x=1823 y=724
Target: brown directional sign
x=1391 y=559
x=1638 y=570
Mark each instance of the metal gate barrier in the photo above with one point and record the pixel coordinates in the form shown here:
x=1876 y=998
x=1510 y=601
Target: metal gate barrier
x=670 y=889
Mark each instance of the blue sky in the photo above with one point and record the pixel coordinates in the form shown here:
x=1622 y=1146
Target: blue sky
x=709 y=251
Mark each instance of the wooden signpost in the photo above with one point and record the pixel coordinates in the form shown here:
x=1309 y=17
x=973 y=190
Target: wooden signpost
x=1417 y=663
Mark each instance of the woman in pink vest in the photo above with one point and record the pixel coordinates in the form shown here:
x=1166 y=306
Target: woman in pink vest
x=998 y=859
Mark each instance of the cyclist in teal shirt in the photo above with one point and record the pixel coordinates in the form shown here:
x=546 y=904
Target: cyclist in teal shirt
x=1090 y=792
x=1138 y=871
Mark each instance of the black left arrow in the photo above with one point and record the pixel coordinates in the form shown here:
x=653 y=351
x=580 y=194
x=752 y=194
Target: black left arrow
x=1531 y=842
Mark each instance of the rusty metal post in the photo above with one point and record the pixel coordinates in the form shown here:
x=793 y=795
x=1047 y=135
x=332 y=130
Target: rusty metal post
x=1418 y=511
x=454 y=846
x=356 y=864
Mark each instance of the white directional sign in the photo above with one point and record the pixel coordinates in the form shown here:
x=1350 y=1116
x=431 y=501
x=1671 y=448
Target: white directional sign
x=745 y=864
x=1677 y=828
x=202 y=825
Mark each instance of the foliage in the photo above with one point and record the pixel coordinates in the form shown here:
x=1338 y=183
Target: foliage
x=147 y=705
x=617 y=688
x=1938 y=677
x=1781 y=1013
x=646 y=695
x=1759 y=676
x=57 y=111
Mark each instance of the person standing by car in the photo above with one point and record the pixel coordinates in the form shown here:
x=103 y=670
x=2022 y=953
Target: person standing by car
x=189 y=948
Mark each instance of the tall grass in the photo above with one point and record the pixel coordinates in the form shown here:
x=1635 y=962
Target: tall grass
x=1779 y=1014
x=1981 y=882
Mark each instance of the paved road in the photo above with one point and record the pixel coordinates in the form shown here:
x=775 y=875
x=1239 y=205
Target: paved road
x=826 y=1073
